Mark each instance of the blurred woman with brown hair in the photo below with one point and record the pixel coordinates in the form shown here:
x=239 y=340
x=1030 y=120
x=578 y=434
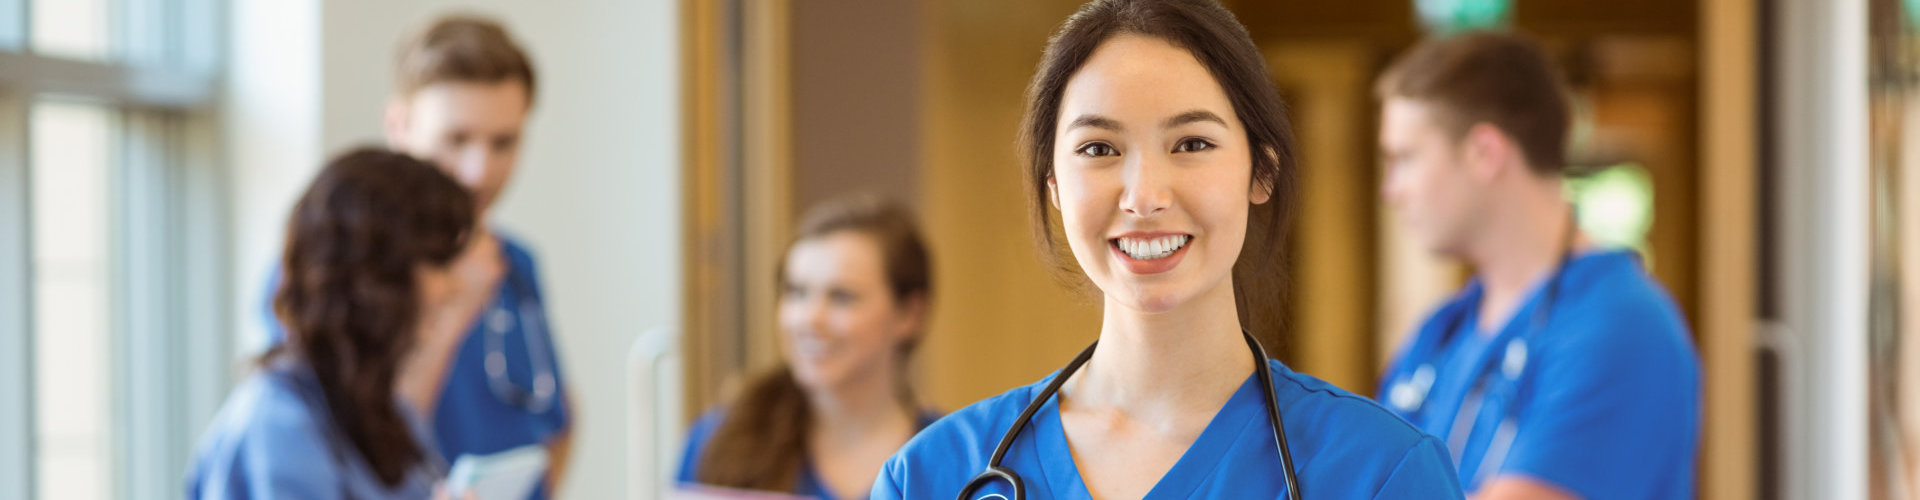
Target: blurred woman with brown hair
x=854 y=295
x=325 y=414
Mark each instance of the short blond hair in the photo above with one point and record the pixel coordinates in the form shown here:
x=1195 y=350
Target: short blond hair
x=462 y=48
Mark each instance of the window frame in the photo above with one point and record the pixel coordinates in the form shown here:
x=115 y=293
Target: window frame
x=170 y=356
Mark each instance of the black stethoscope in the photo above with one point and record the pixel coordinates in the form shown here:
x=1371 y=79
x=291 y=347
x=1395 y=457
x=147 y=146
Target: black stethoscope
x=995 y=472
x=500 y=320
x=1409 y=394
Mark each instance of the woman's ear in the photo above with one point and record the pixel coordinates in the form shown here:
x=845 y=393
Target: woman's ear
x=1260 y=191
x=1053 y=192
x=911 y=316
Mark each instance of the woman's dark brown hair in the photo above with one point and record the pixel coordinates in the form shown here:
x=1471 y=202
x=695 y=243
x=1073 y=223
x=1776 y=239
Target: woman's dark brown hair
x=348 y=298
x=1221 y=44
x=762 y=441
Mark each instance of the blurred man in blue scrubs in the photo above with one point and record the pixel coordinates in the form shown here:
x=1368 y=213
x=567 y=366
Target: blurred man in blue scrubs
x=1562 y=370
x=464 y=89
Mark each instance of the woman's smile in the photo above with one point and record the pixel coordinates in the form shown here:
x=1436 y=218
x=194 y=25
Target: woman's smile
x=1150 y=253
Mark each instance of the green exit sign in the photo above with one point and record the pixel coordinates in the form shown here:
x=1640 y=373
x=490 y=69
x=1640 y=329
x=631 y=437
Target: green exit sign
x=1449 y=16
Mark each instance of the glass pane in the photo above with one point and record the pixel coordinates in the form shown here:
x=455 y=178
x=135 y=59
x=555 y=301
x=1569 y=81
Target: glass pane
x=72 y=151
x=72 y=28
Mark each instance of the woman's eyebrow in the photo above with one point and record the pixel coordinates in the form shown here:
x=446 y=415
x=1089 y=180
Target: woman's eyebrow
x=1198 y=115
x=1095 y=121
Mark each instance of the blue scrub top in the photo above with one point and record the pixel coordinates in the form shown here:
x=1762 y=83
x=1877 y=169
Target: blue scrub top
x=1343 y=445
x=274 y=439
x=469 y=418
x=1603 y=401
x=809 y=483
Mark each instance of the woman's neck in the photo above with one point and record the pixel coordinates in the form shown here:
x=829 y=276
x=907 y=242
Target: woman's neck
x=1157 y=366
x=854 y=429
x=863 y=407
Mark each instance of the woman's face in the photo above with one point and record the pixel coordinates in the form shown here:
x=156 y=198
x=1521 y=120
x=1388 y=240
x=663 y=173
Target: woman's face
x=839 y=321
x=1152 y=174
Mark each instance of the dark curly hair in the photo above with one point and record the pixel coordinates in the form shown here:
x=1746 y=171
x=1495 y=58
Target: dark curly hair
x=349 y=300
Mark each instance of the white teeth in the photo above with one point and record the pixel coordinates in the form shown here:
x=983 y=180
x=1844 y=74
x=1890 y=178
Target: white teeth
x=1156 y=248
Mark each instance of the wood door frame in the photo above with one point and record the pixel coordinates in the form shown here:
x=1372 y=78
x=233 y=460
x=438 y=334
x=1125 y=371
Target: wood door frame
x=736 y=187
x=1728 y=147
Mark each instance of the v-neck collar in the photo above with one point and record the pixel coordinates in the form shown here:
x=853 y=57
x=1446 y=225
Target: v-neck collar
x=811 y=483
x=1061 y=475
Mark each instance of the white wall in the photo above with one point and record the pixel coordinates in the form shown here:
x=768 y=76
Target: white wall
x=272 y=131
x=596 y=194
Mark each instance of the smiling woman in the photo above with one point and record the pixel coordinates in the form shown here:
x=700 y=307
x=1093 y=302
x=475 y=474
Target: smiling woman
x=1153 y=131
x=855 y=287
x=1241 y=77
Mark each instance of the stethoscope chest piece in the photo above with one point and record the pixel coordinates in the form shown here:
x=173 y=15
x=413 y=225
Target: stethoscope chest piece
x=1515 y=360
x=499 y=320
x=1410 y=393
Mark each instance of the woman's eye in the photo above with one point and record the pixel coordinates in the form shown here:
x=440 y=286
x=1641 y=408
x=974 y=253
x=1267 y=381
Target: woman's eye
x=841 y=297
x=1192 y=146
x=1097 y=149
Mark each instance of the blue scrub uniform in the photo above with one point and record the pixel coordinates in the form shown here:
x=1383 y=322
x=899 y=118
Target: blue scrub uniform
x=469 y=418
x=274 y=439
x=809 y=483
x=1344 y=446
x=1603 y=401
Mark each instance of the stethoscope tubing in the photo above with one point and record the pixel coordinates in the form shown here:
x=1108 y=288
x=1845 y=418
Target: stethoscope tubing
x=540 y=398
x=994 y=471
x=1516 y=349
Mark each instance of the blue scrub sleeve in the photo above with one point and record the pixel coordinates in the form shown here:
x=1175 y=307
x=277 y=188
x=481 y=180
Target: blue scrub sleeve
x=887 y=486
x=1612 y=413
x=1426 y=471
x=283 y=456
x=287 y=468
x=697 y=437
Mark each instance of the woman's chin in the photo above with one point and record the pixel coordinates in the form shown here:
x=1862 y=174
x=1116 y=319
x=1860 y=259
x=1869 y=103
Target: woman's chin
x=808 y=377
x=1153 y=299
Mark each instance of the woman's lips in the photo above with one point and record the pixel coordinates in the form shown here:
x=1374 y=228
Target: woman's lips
x=1150 y=253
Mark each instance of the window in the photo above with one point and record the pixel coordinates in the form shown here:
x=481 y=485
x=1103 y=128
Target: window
x=111 y=352
x=72 y=274
x=75 y=29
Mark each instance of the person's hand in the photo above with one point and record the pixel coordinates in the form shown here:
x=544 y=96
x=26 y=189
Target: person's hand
x=479 y=267
x=476 y=274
